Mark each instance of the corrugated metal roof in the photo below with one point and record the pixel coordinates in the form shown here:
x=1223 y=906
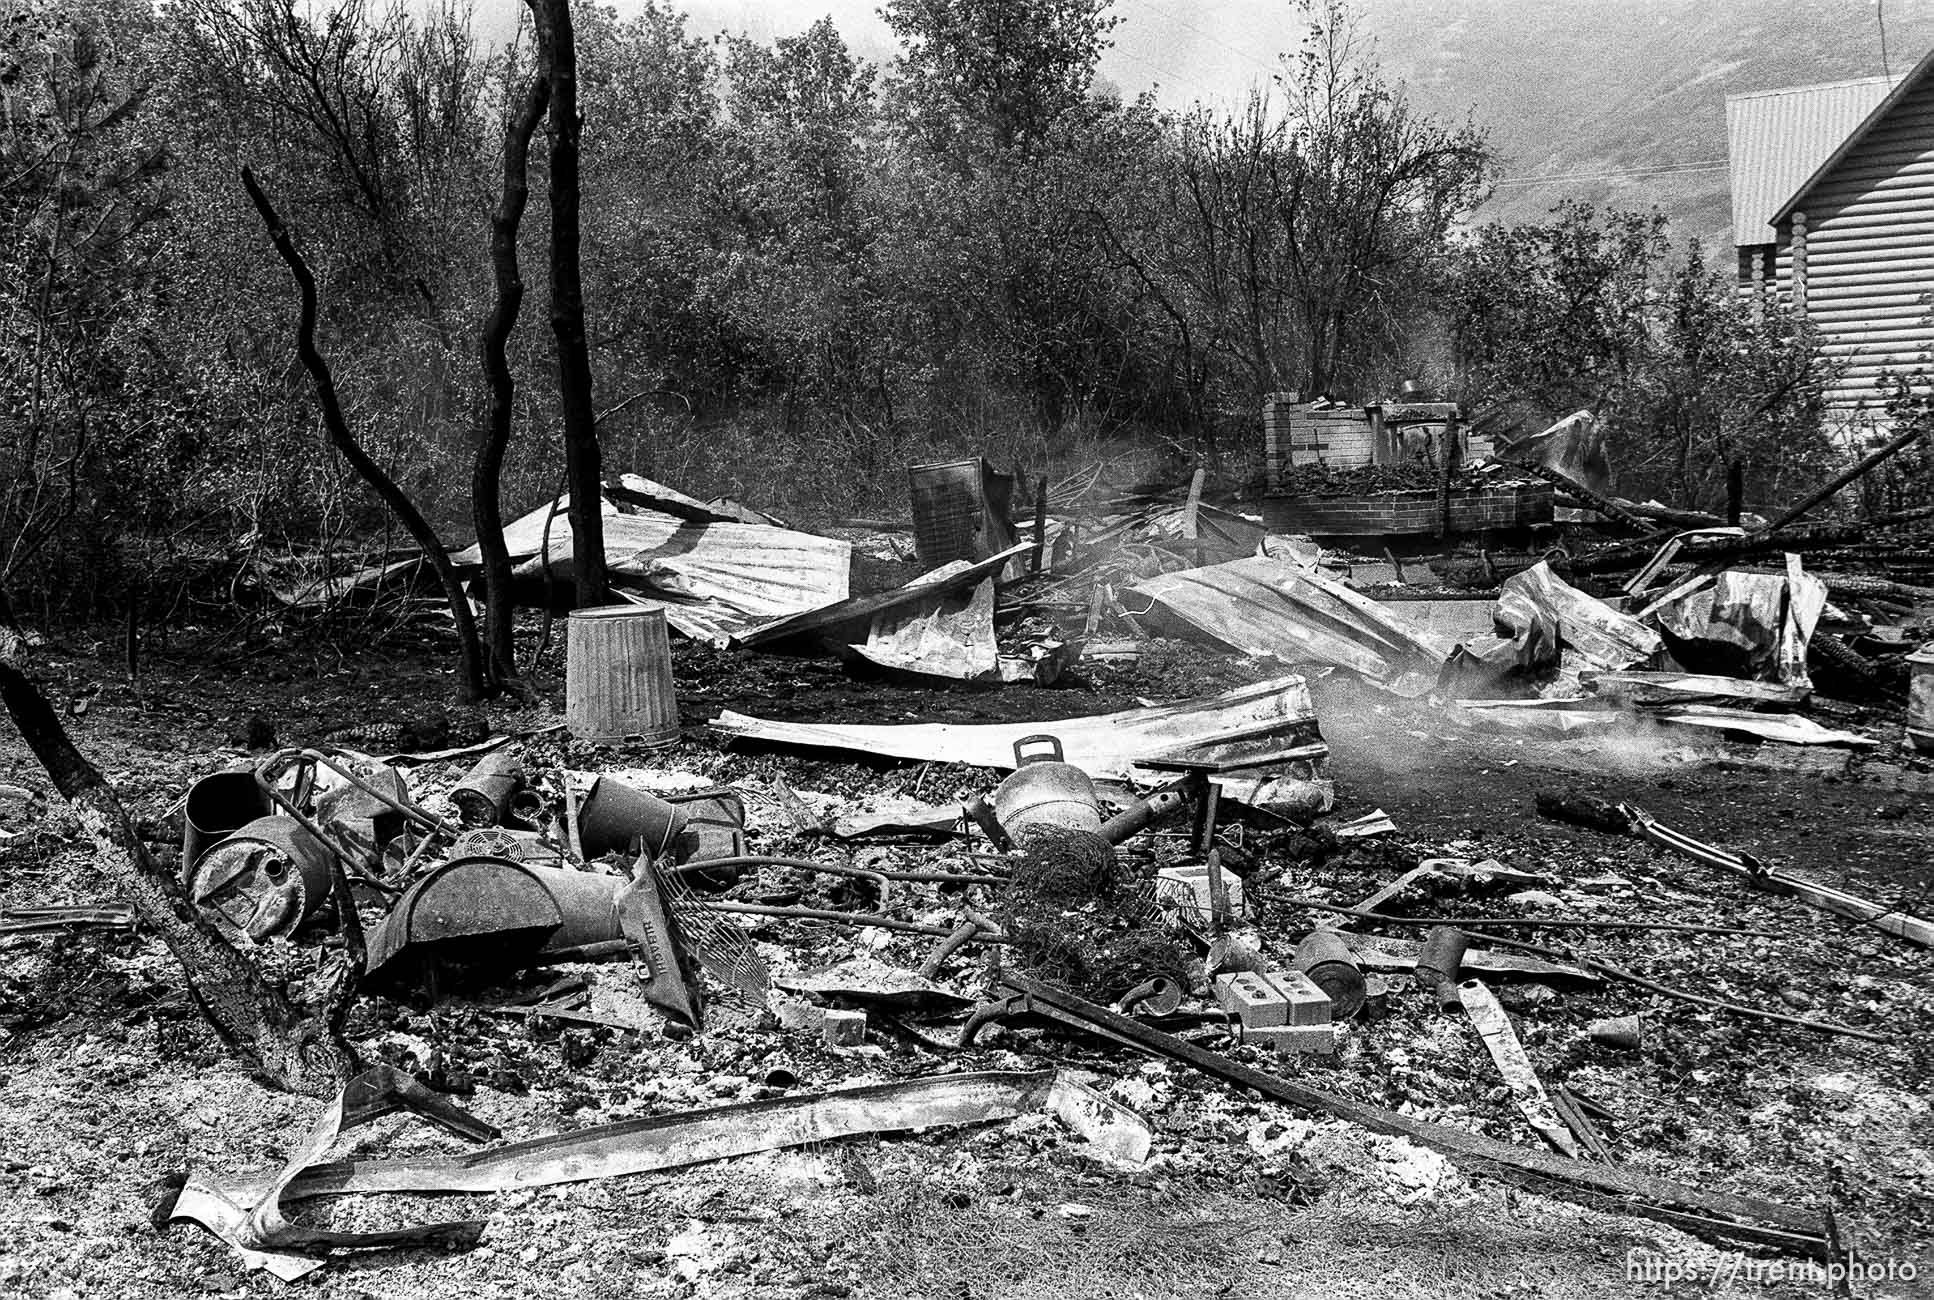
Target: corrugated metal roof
x=1880 y=112
x=1776 y=139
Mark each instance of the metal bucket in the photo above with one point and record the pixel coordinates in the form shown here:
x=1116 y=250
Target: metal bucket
x=264 y=880
x=618 y=676
x=616 y=817
x=714 y=828
x=217 y=807
x=1045 y=791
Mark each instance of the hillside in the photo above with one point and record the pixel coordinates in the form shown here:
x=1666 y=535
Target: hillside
x=1581 y=88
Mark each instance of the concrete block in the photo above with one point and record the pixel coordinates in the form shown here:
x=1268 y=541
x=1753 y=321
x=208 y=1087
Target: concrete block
x=1306 y=1003
x=1188 y=887
x=1252 y=999
x=1317 y=1039
x=844 y=1028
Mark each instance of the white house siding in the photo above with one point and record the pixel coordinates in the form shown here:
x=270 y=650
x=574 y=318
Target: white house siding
x=1869 y=250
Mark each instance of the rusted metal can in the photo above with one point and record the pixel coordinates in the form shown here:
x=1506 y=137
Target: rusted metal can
x=1327 y=960
x=616 y=817
x=217 y=807
x=483 y=797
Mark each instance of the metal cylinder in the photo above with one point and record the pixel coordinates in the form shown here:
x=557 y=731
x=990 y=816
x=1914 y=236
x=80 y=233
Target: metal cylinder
x=1441 y=958
x=1142 y=814
x=1044 y=791
x=217 y=806
x=616 y=817
x=618 y=676
x=264 y=880
x=1327 y=960
x=483 y=797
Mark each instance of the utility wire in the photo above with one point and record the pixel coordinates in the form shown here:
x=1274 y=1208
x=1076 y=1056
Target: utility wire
x=1670 y=169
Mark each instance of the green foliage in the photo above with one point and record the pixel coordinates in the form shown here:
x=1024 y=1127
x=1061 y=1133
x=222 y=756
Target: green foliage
x=1690 y=376
x=801 y=270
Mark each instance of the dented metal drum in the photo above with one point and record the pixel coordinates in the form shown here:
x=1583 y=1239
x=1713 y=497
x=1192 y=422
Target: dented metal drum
x=264 y=880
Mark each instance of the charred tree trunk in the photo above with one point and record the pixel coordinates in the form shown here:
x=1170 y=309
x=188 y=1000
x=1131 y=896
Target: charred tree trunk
x=487 y=473
x=584 y=470
x=472 y=688
x=286 y=1045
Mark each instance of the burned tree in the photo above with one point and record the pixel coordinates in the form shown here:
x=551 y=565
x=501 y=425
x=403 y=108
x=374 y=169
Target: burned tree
x=288 y=1045
x=344 y=441
x=557 y=53
x=501 y=385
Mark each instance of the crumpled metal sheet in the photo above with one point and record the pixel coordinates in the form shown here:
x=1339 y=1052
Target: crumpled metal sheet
x=875 y=983
x=1556 y=717
x=834 y=618
x=1106 y=746
x=1281 y=609
x=1575 y=447
x=1392 y=956
x=1527 y=1090
x=247 y=1214
x=662 y=1142
x=713 y=579
x=944 y=635
x=1764 y=618
x=1684 y=688
x=1545 y=615
x=1789 y=729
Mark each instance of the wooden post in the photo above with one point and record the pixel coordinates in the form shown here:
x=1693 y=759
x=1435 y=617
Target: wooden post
x=1040 y=525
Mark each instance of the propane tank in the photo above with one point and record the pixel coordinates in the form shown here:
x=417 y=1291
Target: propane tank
x=1044 y=791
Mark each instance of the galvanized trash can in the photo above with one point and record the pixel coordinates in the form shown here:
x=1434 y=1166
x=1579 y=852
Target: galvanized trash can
x=618 y=676
x=1920 y=698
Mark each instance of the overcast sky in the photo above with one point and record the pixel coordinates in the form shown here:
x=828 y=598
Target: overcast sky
x=1190 y=49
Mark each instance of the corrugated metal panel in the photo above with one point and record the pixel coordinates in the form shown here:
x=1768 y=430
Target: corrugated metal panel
x=1775 y=139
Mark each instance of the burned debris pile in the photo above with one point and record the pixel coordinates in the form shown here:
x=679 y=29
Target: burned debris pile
x=1049 y=912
